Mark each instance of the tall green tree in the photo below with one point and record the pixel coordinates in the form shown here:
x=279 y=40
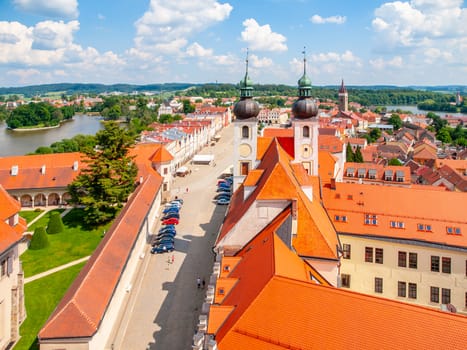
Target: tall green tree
x=349 y=155
x=358 y=155
x=396 y=121
x=104 y=185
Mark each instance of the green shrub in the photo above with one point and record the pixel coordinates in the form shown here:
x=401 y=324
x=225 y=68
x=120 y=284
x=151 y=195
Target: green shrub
x=39 y=240
x=55 y=224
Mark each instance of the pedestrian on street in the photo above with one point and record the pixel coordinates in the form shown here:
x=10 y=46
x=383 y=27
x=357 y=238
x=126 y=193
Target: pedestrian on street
x=187 y=190
x=173 y=258
x=204 y=282
x=198 y=282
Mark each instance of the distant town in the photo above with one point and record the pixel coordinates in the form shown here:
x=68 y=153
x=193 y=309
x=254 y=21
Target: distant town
x=296 y=210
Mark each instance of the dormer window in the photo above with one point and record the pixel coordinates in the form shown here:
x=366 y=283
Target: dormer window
x=350 y=172
x=221 y=291
x=361 y=172
x=399 y=176
x=306 y=131
x=227 y=268
x=245 y=132
x=372 y=174
x=388 y=175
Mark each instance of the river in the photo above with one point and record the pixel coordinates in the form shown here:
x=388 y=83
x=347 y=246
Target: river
x=19 y=143
x=415 y=110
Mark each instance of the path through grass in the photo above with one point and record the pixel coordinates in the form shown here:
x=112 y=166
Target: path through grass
x=41 y=298
x=73 y=243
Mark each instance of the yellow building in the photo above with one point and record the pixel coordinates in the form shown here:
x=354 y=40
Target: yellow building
x=406 y=244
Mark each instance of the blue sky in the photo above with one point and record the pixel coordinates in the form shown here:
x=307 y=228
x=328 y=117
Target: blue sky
x=366 y=42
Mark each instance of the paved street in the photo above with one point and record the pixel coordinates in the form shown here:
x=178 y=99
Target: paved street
x=164 y=304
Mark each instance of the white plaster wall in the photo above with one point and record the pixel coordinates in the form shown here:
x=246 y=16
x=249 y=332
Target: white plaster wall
x=328 y=269
x=255 y=219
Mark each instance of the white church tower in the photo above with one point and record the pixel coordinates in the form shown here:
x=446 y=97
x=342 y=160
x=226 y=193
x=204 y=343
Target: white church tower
x=245 y=131
x=305 y=124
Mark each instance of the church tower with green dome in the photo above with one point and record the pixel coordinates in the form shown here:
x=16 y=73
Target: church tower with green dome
x=305 y=123
x=245 y=131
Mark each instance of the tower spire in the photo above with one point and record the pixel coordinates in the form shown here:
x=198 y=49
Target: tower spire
x=304 y=60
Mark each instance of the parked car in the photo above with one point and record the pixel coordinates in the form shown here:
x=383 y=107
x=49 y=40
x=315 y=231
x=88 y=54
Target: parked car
x=225 y=184
x=167 y=233
x=171 y=221
x=223 y=194
x=223 y=181
x=170 y=215
x=163 y=241
x=167 y=227
x=175 y=204
x=170 y=209
x=223 y=189
x=163 y=248
x=178 y=200
x=223 y=201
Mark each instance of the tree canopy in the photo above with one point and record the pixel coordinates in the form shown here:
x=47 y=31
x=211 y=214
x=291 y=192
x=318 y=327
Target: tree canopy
x=38 y=114
x=109 y=177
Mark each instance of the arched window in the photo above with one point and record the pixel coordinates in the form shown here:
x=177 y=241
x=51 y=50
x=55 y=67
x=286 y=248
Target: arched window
x=245 y=132
x=306 y=131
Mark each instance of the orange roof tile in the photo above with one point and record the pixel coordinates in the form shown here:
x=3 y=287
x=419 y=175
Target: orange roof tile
x=228 y=264
x=162 y=156
x=217 y=316
x=320 y=317
x=9 y=235
x=253 y=177
x=223 y=287
x=82 y=308
x=58 y=170
x=330 y=143
x=278 y=132
x=327 y=164
x=283 y=180
x=264 y=257
x=412 y=206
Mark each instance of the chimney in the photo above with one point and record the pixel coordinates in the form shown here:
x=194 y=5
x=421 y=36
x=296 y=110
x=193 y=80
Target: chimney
x=43 y=170
x=333 y=183
x=75 y=165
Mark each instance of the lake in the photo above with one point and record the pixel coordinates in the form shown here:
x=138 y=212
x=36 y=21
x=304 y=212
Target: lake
x=20 y=143
x=415 y=110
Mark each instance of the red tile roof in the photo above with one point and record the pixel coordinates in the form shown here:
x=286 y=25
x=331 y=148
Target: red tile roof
x=282 y=180
x=412 y=206
x=82 y=309
x=275 y=303
x=9 y=235
x=58 y=170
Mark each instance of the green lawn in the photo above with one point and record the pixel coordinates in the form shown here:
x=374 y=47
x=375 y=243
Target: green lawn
x=41 y=298
x=73 y=243
x=43 y=221
x=30 y=215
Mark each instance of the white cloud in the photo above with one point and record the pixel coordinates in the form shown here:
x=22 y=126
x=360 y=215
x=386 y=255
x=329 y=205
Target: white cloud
x=49 y=8
x=100 y=16
x=380 y=63
x=262 y=38
x=317 y=19
x=168 y=24
x=419 y=22
x=327 y=57
x=196 y=50
x=257 y=62
x=50 y=35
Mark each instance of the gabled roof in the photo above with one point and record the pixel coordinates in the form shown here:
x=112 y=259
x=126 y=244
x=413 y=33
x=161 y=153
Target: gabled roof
x=9 y=235
x=162 y=156
x=282 y=180
x=83 y=307
x=412 y=206
x=294 y=314
x=268 y=252
x=58 y=168
x=276 y=303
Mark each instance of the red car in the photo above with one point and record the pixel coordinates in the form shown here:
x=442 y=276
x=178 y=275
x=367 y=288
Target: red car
x=171 y=221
